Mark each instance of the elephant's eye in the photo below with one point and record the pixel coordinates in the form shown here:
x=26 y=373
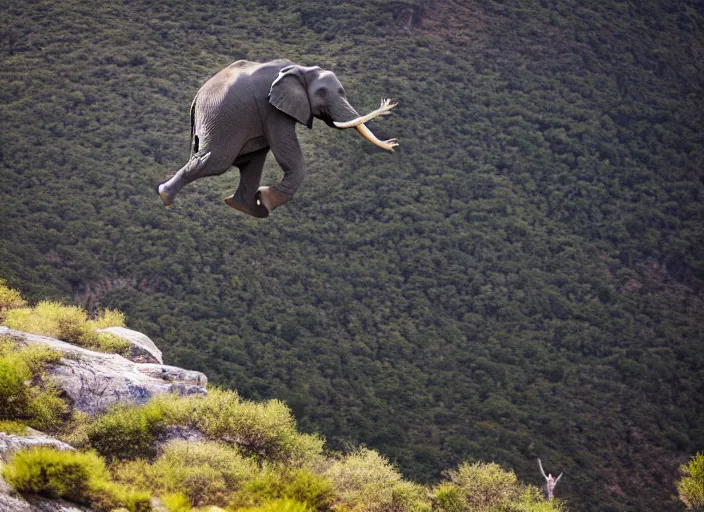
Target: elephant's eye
x=341 y=91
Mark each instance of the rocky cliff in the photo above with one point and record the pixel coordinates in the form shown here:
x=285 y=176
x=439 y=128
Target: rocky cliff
x=92 y=382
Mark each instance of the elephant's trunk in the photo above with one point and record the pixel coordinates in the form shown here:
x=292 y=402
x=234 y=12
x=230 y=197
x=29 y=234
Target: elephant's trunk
x=358 y=121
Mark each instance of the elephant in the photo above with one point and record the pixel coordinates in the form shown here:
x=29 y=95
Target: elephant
x=249 y=108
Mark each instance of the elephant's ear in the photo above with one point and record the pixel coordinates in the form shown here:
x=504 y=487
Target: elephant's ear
x=290 y=95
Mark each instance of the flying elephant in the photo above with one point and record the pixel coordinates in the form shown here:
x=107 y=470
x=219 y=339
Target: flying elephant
x=250 y=108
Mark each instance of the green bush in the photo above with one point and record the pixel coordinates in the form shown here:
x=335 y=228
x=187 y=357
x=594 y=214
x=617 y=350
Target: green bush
x=278 y=506
x=265 y=430
x=533 y=500
x=450 y=498
x=47 y=411
x=39 y=406
x=108 y=318
x=364 y=480
x=75 y=476
x=106 y=495
x=9 y=299
x=13 y=427
x=206 y=473
x=126 y=431
x=14 y=393
x=280 y=482
x=75 y=429
x=485 y=486
x=71 y=324
x=691 y=486
x=7 y=345
x=176 y=502
x=37 y=357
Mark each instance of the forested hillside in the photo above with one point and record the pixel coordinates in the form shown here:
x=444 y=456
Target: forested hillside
x=523 y=278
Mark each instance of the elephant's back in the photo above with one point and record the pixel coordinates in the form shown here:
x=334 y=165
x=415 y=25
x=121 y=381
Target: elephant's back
x=224 y=107
x=227 y=107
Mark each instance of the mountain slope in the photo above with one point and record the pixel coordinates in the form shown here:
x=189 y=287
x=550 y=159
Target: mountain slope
x=522 y=278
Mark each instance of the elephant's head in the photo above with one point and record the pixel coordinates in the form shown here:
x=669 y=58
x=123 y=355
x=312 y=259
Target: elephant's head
x=308 y=92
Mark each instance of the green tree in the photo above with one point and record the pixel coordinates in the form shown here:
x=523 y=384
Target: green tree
x=691 y=485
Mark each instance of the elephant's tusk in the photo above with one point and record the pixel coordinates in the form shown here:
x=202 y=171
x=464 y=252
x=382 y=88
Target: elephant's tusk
x=388 y=145
x=383 y=110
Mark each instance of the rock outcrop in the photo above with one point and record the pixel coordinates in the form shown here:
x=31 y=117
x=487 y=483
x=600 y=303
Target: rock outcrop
x=12 y=443
x=95 y=380
x=142 y=349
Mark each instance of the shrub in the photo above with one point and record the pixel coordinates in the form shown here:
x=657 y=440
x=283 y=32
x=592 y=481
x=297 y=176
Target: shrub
x=7 y=345
x=533 y=500
x=75 y=429
x=408 y=496
x=47 y=411
x=56 y=474
x=486 y=486
x=70 y=324
x=265 y=430
x=691 y=486
x=206 y=473
x=106 y=495
x=450 y=498
x=39 y=406
x=37 y=357
x=75 y=476
x=106 y=342
x=126 y=431
x=14 y=393
x=13 y=427
x=278 y=506
x=108 y=318
x=176 y=502
x=367 y=481
x=279 y=482
x=9 y=299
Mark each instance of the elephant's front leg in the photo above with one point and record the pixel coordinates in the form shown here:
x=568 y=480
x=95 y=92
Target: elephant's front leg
x=251 y=167
x=284 y=145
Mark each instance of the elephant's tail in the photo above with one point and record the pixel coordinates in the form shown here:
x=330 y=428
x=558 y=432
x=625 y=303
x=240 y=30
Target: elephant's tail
x=194 y=137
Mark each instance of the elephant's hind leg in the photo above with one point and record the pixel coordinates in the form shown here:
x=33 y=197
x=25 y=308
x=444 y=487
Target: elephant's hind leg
x=199 y=166
x=251 y=167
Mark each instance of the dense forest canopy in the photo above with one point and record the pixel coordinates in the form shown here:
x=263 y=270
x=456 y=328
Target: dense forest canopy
x=523 y=278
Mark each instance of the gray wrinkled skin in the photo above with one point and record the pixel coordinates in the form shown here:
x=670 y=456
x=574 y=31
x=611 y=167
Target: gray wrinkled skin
x=249 y=109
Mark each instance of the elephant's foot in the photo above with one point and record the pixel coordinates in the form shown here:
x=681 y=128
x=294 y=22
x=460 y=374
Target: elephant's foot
x=167 y=198
x=271 y=198
x=257 y=211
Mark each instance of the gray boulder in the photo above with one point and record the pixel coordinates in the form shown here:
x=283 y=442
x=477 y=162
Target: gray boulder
x=95 y=380
x=142 y=350
x=12 y=443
